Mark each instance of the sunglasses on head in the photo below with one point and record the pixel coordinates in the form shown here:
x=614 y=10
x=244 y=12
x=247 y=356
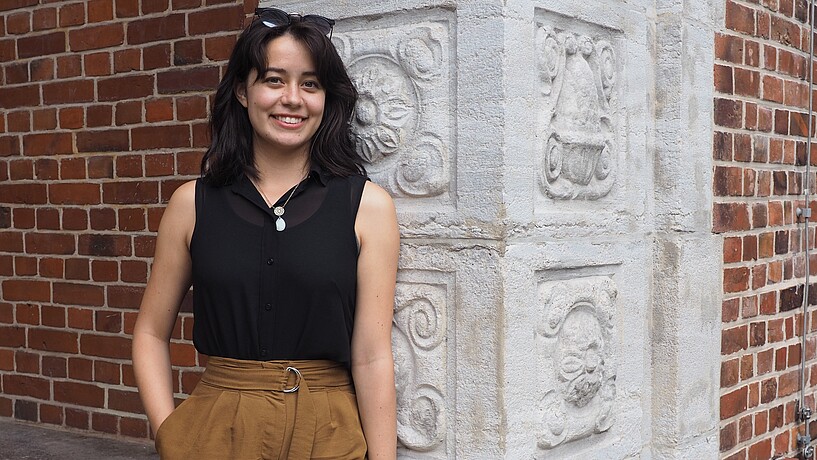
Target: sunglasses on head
x=273 y=17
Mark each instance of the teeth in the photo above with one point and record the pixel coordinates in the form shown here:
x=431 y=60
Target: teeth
x=289 y=120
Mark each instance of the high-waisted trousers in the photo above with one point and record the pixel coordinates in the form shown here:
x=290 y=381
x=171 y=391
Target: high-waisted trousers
x=266 y=410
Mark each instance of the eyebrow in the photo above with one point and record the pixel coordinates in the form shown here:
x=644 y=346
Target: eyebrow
x=279 y=70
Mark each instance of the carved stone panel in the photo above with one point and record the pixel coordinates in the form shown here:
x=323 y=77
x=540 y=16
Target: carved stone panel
x=574 y=336
x=578 y=119
x=420 y=354
x=402 y=119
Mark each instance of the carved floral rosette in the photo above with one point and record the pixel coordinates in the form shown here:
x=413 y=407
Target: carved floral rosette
x=418 y=340
x=577 y=77
x=575 y=349
x=401 y=121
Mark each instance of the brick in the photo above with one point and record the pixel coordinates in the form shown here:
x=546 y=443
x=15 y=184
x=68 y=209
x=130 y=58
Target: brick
x=105 y=423
x=126 y=401
x=785 y=32
x=44 y=19
x=17 y=73
x=81 y=394
x=41 y=45
x=154 y=6
x=131 y=220
x=156 y=56
x=42 y=69
x=100 y=10
x=69 y=66
x=51 y=414
x=127 y=60
x=723 y=79
x=757 y=334
x=128 y=112
x=127 y=8
x=97 y=64
x=133 y=427
x=25 y=96
x=18 y=23
x=81 y=318
x=219 y=48
x=74 y=193
x=187 y=52
x=68 y=92
x=728 y=113
x=78 y=294
x=761 y=450
x=55 y=366
x=12 y=336
x=156 y=29
x=107 y=372
x=11 y=242
x=53 y=316
x=134 y=271
x=108 y=140
x=216 y=20
x=97 y=37
x=100 y=167
x=128 y=87
x=127 y=297
x=728 y=181
x=106 y=346
x=23 y=385
x=740 y=18
x=733 y=403
x=747 y=82
x=730 y=217
x=105 y=270
x=74 y=219
x=159 y=137
x=734 y=339
x=27 y=363
x=76 y=418
x=26 y=290
x=159 y=110
x=108 y=321
x=791 y=298
x=187 y=80
x=49 y=243
x=159 y=164
x=53 y=340
x=72 y=15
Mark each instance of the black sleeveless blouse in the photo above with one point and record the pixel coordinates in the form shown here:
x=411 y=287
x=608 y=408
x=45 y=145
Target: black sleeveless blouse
x=264 y=295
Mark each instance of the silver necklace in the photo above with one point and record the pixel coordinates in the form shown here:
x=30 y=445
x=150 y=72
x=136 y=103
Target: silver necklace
x=280 y=223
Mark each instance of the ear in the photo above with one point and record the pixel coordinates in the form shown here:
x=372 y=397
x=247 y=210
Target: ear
x=241 y=94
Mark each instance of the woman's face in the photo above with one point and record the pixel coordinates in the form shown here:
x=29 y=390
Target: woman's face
x=285 y=105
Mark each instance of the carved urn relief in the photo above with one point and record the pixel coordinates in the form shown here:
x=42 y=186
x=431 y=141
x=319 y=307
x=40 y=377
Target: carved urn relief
x=577 y=76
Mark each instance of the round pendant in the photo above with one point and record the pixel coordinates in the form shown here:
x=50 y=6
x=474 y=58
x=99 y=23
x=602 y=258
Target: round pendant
x=278 y=211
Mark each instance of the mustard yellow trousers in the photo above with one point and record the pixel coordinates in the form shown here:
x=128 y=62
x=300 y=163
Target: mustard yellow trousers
x=293 y=410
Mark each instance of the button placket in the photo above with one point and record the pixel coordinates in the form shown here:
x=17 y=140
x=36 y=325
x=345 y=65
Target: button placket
x=266 y=313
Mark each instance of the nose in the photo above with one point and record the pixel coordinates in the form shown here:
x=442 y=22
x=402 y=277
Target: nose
x=292 y=95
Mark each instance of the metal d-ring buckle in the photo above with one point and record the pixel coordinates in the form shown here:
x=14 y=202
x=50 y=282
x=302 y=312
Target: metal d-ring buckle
x=297 y=384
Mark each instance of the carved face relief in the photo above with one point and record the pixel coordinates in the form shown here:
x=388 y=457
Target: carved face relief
x=581 y=359
x=574 y=348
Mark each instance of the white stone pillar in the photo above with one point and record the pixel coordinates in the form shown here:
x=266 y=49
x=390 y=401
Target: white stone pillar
x=559 y=284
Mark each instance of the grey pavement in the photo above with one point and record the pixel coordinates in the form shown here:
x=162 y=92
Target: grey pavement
x=20 y=440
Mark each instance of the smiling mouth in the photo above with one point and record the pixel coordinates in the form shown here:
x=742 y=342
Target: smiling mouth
x=289 y=120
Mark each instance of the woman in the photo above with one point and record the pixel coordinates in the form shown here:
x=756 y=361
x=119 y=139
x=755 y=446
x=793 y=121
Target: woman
x=293 y=257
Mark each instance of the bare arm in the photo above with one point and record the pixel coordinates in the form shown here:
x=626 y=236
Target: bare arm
x=170 y=279
x=372 y=360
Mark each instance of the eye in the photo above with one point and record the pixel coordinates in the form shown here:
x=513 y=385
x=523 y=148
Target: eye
x=273 y=80
x=312 y=84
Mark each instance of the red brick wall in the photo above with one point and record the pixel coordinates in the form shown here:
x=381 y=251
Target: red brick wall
x=103 y=113
x=761 y=120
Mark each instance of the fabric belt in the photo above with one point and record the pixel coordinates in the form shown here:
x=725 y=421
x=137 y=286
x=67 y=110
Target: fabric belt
x=296 y=377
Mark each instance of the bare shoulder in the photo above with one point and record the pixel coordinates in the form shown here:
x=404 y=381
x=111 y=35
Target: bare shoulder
x=376 y=201
x=180 y=215
x=376 y=216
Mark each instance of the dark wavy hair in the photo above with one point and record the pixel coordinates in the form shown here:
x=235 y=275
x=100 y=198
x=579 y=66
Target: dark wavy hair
x=231 y=151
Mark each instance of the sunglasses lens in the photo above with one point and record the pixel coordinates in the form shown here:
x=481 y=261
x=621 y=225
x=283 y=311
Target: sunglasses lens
x=321 y=23
x=272 y=17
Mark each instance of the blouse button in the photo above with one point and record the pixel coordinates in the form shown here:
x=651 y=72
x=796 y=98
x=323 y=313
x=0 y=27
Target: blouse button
x=269 y=261
x=263 y=352
x=268 y=307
